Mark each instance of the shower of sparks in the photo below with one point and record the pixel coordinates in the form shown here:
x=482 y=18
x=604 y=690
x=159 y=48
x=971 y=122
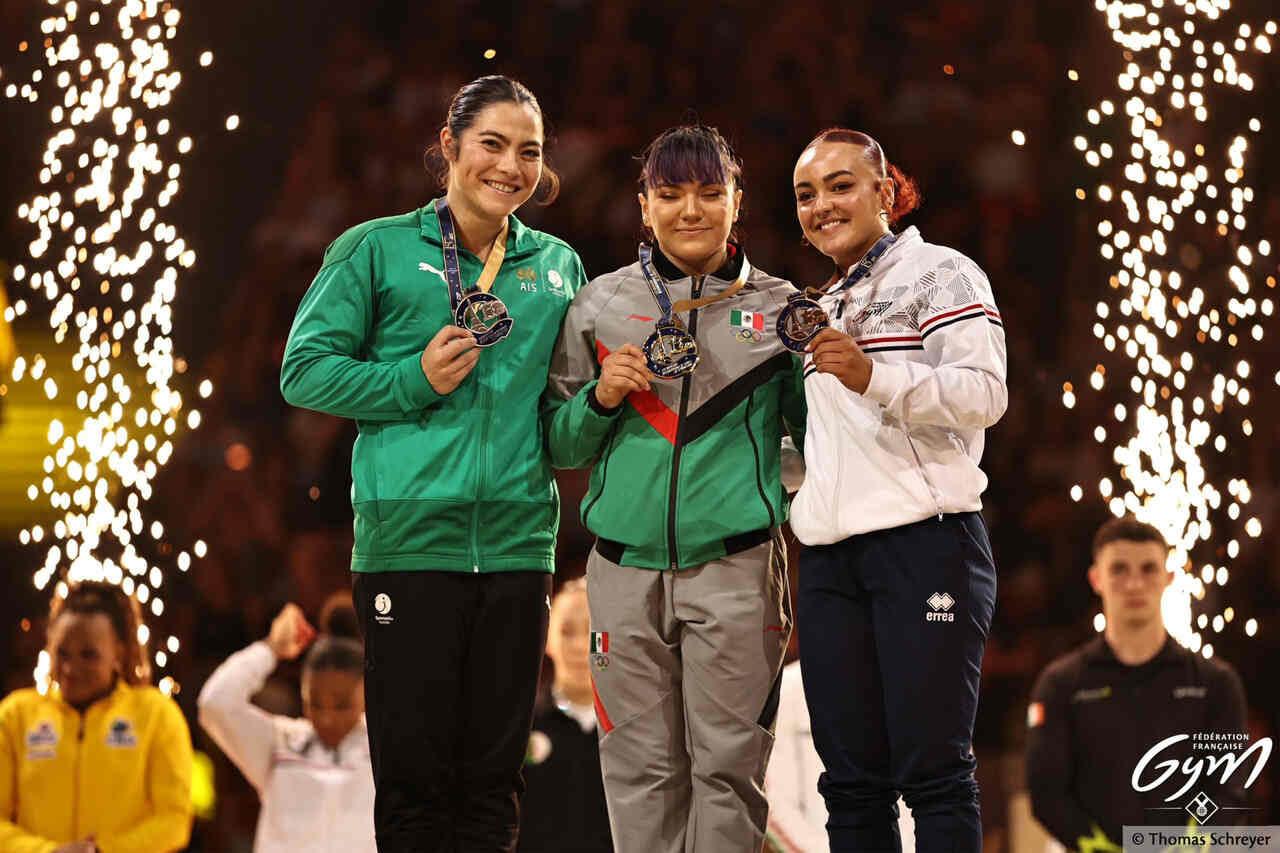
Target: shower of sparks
x=107 y=264
x=1174 y=332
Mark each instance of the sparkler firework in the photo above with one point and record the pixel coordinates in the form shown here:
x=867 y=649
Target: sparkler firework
x=107 y=263
x=1172 y=193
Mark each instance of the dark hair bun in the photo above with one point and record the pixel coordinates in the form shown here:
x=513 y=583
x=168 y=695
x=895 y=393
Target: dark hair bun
x=338 y=617
x=339 y=647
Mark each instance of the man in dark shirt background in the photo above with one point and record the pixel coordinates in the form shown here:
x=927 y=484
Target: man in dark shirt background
x=1097 y=711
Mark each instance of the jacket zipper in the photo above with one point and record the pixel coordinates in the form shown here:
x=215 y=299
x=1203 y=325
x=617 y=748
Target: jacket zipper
x=937 y=503
x=755 y=451
x=75 y=779
x=484 y=441
x=695 y=292
x=475 y=505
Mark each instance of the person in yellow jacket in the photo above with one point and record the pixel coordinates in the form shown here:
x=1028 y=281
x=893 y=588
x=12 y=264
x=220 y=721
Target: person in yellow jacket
x=103 y=761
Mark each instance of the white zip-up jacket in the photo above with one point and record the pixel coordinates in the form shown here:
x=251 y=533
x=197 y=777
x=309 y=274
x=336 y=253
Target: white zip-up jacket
x=313 y=798
x=909 y=446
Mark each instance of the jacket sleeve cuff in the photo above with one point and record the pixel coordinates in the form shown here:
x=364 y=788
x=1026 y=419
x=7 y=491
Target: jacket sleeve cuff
x=414 y=391
x=594 y=403
x=262 y=655
x=886 y=379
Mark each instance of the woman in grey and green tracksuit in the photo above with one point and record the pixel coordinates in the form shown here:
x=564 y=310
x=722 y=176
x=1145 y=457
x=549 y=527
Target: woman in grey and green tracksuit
x=456 y=510
x=687 y=584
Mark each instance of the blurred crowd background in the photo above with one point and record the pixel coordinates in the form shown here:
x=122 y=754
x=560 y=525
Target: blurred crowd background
x=338 y=102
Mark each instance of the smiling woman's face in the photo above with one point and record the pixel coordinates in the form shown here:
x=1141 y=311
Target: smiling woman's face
x=839 y=199
x=496 y=165
x=692 y=221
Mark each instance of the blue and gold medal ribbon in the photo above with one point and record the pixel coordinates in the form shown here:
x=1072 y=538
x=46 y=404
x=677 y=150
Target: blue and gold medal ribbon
x=862 y=268
x=452 y=271
x=476 y=310
x=658 y=287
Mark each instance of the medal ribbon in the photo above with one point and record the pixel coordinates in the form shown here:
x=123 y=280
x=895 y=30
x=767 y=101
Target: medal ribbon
x=658 y=287
x=862 y=269
x=452 y=271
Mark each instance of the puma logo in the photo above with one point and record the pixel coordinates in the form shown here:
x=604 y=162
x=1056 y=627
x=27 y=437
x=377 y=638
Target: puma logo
x=423 y=266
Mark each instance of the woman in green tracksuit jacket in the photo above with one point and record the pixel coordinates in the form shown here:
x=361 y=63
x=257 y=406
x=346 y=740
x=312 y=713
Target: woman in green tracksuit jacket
x=687 y=583
x=456 y=510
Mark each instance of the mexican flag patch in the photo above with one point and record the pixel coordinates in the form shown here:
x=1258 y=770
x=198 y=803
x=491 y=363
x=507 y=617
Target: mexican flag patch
x=747 y=319
x=599 y=642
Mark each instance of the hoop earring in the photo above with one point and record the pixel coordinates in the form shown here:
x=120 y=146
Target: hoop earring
x=804 y=241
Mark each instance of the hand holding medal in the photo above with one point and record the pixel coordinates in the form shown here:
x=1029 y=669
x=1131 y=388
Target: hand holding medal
x=621 y=372
x=449 y=358
x=837 y=354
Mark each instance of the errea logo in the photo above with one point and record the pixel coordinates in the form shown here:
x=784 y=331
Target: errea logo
x=940 y=604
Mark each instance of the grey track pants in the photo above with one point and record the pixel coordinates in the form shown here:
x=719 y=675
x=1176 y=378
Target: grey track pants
x=686 y=666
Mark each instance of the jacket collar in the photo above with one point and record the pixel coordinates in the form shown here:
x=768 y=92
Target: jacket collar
x=1100 y=651
x=520 y=239
x=104 y=701
x=908 y=239
x=728 y=270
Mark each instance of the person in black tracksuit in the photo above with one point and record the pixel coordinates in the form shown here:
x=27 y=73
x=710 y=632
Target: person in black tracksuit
x=563 y=810
x=1097 y=711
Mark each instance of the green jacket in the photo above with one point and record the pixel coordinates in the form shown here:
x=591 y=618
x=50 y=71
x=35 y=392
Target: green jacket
x=459 y=482
x=680 y=473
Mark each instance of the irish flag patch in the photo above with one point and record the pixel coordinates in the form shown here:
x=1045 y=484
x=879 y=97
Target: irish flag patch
x=747 y=320
x=599 y=642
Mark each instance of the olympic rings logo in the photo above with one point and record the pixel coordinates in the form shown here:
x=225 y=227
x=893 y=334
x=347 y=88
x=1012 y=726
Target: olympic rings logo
x=748 y=336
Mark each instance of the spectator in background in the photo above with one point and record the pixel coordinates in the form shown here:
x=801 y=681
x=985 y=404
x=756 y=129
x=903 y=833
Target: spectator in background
x=102 y=762
x=1098 y=710
x=797 y=813
x=312 y=774
x=563 y=810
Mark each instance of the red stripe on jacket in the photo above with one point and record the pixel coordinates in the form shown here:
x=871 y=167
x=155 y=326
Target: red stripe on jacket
x=649 y=407
x=953 y=312
x=602 y=716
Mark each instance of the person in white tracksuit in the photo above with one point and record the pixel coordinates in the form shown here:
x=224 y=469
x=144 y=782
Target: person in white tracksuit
x=797 y=814
x=897 y=580
x=313 y=775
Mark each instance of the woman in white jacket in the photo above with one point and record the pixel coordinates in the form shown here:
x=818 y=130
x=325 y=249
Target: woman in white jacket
x=313 y=774
x=897 y=584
